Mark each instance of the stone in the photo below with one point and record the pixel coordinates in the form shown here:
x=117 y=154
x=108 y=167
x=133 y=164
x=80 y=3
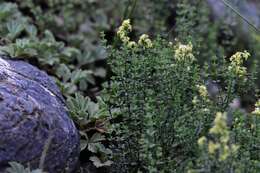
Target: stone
x=33 y=114
x=248 y=9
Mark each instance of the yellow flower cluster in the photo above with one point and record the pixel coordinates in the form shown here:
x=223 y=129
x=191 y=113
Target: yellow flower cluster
x=131 y=45
x=220 y=125
x=257 y=108
x=237 y=61
x=145 y=41
x=184 y=52
x=123 y=32
x=195 y=100
x=212 y=147
x=222 y=146
x=202 y=90
x=202 y=141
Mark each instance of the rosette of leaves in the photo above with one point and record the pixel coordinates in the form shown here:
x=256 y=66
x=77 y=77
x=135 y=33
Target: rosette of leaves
x=18 y=168
x=91 y=119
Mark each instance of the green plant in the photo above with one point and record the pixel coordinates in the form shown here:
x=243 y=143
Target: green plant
x=232 y=148
x=18 y=168
x=159 y=100
x=220 y=152
x=92 y=124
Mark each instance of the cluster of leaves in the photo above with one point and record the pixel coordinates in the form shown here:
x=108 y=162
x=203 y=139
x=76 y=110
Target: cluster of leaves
x=91 y=120
x=160 y=101
x=18 y=168
x=22 y=39
x=69 y=22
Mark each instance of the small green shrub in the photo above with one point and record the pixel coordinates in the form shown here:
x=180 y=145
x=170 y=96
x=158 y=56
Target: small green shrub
x=158 y=97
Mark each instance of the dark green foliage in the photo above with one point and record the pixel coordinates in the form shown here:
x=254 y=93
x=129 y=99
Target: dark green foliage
x=159 y=99
x=22 y=39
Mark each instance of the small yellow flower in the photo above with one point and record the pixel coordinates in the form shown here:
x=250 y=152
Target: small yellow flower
x=195 y=100
x=257 y=111
x=222 y=146
x=125 y=39
x=212 y=147
x=220 y=124
x=123 y=31
x=239 y=57
x=184 y=52
x=257 y=108
x=224 y=138
x=145 y=41
x=225 y=153
x=202 y=141
x=237 y=61
x=126 y=26
x=238 y=70
x=202 y=90
x=257 y=104
x=132 y=45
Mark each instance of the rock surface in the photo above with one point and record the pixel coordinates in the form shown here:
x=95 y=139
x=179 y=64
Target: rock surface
x=32 y=112
x=248 y=9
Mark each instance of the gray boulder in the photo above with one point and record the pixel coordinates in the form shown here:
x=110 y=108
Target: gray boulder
x=249 y=9
x=33 y=116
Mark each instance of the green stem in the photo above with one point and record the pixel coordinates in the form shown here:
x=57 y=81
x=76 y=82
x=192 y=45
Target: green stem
x=128 y=13
x=229 y=92
x=132 y=9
